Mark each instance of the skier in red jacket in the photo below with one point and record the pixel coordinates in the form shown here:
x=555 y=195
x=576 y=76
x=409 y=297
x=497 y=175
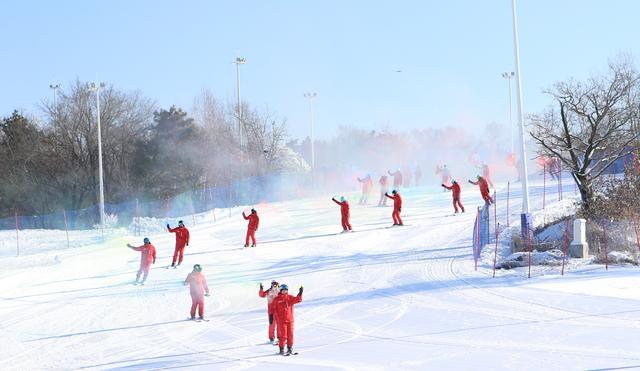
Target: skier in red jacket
x=344 y=210
x=283 y=310
x=455 y=187
x=182 y=240
x=252 y=227
x=199 y=289
x=270 y=294
x=397 y=178
x=384 y=188
x=367 y=186
x=147 y=258
x=484 y=189
x=397 y=207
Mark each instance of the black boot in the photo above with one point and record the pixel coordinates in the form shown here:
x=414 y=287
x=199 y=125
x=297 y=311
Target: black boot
x=289 y=349
x=281 y=351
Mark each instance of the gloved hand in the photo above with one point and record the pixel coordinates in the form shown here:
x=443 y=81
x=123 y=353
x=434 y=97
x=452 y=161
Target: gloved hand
x=168 y=226
x=442 y=185
x=300 y=290
x=400 y=209
x=261 y=287
x=129 y=245
x=154 y=261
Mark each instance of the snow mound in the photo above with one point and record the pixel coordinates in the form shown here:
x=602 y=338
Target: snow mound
x=521 y=259
x=620 y=257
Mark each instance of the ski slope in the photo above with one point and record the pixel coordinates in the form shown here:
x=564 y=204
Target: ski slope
x=377 y=299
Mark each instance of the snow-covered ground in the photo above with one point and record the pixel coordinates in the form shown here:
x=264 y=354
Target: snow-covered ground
x=379 y=298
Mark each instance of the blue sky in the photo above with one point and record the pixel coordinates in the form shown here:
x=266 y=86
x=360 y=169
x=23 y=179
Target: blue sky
x=451 y=54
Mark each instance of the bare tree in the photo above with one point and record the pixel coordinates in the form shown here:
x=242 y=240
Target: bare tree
x=593 y=125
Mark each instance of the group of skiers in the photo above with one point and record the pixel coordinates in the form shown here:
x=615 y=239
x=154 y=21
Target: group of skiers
x=279 y=302
x=398 y=181
x=280 y=314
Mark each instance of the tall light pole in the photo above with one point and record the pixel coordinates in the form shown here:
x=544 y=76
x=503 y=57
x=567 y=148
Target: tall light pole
x=311 y=96
x=55 y=88
x=509 y=76
x=238 y=62
x=525 y=217
x=96 y=87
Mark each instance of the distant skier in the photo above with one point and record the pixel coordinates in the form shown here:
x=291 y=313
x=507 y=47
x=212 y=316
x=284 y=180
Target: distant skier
x=344 y=211
x=397 y=207
x=397 y=178
x=455 y=187
x=418 y=175
x=484 y=189
x=252 y=227
x=283 y=310
x=199 y=289
x=384 y=188
x=182 y=240
x=408 y=176
x=486 y=174
x=367 y=186
x=147 y=257
x=445 y=174
x=270 y=294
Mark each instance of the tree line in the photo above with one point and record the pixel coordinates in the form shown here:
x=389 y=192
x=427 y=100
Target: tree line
x=51 y=162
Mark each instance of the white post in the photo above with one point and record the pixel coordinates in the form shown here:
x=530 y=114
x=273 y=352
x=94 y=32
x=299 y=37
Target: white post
x=510 y=112
x=238 y=62
x=523 y=153
x=97 y=87
x=579 y=247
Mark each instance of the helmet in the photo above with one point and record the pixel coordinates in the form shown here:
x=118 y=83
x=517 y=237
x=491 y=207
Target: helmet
x=253 y=211
x=453 y=181
x=146 y=240
x=284 y=287
x=275 y=283
x=197 y=268
x=478 y=176
x=394 y=192
x=180 y=222
x=341 y=198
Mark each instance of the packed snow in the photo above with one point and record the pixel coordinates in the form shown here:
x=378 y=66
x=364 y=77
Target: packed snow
x=378 y=298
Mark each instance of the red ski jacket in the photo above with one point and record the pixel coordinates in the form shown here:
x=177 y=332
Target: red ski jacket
x=397 y=201
x=197 y=284
x=455 y=187
x=484 y=186
x=254 y=221
x=182 y=235
x=344 y=207
x=270 y=294
x=148 y=255
x=283 y=307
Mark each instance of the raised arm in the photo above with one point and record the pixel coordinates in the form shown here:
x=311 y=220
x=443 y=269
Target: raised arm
x=336 y=201
x=447 y=187
x=244 y=216
x=136 y=248
x=474 y=183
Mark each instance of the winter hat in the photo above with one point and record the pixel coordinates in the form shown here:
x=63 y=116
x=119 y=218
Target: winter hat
x=197 y=268
x=253 y=211
x=284 y=287
x=453 y=181
x=274 y=283
x=146 y=240
x=341 y=198
x=394 y=192
x=180 y=222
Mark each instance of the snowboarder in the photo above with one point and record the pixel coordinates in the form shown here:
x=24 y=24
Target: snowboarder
x=344 y=211
x=270 y=294
x=199 y=289
x=283 y=310
x=397 y=178
x=252 y=227
x=384 y=188
x=397 y=207
x=147 y=257
x=484 y=189
x=182 y=240
x=367 y=186
x=455 y=187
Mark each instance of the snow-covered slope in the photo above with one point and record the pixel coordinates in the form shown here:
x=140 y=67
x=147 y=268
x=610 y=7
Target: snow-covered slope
x=379 y=298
